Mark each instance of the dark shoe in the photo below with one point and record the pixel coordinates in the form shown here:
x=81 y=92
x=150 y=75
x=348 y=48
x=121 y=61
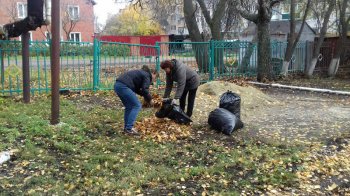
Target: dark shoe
x=131 y=132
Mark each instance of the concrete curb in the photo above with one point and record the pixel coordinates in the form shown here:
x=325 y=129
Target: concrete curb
x=303 y=88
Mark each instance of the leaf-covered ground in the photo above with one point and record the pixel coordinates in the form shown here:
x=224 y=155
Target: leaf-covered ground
x=298 y=147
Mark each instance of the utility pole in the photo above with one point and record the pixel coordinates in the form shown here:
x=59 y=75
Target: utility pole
x=55 y=62
x=25 y=67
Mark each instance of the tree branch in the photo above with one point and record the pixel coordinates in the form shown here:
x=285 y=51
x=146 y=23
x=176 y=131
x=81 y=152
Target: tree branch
x=303 y=23
x=205 y=12
x=247 y=15
x=219 y=11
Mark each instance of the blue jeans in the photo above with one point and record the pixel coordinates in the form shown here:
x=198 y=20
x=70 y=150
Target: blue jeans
x=131 y=103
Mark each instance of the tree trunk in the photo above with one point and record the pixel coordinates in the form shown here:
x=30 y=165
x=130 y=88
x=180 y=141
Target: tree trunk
x=311 y=69
x=292 y=39
x=214 y=23
x=201 y=56
x=247 y=56
x=334 y=64
x=333 y=67
x=218 y=51
x=316 y=52
x=344 y=23
x=285 y=67
x=264 y=52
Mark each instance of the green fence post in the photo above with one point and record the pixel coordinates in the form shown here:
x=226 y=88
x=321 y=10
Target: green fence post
x=158 y=62
x=211 y=60
x=2 y=65
x=95 y=65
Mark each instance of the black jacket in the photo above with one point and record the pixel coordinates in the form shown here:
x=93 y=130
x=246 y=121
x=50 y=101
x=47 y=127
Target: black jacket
x=138 y=81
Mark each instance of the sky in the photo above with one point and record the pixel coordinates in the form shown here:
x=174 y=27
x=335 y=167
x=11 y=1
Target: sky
x=105 y=8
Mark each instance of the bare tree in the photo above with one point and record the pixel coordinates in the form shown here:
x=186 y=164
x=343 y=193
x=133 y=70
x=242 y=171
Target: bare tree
x=213 y=13
x=12 y=12
x=68 y=21
x=330 y=4
x=344 y=21
x=202 y=58
x=262 y=18
x=293 y=38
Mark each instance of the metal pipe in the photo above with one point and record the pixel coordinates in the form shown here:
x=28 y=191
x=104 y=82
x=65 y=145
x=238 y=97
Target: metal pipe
x=47 y=16
x=25 y=67
x=55 y=63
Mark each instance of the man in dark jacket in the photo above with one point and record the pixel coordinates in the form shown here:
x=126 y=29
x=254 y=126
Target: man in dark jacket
x=187 y=83
x=129 y=83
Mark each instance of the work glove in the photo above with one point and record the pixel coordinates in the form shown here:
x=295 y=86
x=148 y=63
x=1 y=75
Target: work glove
x=175 y=102
x=151 y=103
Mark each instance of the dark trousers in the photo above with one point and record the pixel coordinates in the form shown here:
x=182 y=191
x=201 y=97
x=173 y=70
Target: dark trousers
x=191 y=98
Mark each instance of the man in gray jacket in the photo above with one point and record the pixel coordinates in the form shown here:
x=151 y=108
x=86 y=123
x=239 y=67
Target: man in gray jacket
x=187 y=83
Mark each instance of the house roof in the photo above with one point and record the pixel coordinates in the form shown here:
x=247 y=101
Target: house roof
x=278 y=27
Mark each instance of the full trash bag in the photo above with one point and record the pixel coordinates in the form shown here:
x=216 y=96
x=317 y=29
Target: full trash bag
x=173 y=112
x=178 y=115
x=165 y=109
x=224 y=121
x=231 y=102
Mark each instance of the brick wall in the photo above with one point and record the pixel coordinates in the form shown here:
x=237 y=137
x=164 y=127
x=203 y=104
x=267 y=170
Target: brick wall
x=85 y=26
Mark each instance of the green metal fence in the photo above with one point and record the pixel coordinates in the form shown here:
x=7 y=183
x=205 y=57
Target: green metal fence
x=76 y=66
x=93 y=66
x=112 y=59
x=193 y=54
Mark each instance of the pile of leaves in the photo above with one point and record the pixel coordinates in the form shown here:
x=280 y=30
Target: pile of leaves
x=162 y=129
x=157 y=100
x=240 y=81
x=208 y=97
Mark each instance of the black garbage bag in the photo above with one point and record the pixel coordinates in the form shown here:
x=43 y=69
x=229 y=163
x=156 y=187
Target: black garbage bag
x=231 y=102
x=224 y=121
x=165 y=109
x=179 y=116
x=173 y=112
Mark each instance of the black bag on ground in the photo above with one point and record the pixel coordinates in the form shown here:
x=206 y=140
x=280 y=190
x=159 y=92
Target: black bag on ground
x=231 y=102
x=173 y=112
x=224 y=121
x=165 y=109
x=179 y=116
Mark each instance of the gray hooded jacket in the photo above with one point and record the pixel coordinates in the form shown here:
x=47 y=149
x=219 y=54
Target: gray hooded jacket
x=184 y=76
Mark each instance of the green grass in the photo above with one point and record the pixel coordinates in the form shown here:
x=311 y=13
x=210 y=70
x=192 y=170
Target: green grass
x=87 y=153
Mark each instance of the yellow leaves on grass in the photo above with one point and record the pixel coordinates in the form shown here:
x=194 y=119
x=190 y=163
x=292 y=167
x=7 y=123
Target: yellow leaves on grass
x=162 y=130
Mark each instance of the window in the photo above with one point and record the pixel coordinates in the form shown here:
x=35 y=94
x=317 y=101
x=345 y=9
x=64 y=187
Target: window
x=173 y=27
x=22 y=9
x=73 y=12
x=180 y=30
x=173 y=17
x=74 y=36
x=181 y=21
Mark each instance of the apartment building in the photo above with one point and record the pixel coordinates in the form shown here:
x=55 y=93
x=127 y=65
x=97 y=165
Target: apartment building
x=77 y=19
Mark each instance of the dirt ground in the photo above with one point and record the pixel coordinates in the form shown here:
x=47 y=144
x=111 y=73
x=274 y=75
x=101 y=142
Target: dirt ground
x=300 y=116
x=269 y=114
x=279 y=115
